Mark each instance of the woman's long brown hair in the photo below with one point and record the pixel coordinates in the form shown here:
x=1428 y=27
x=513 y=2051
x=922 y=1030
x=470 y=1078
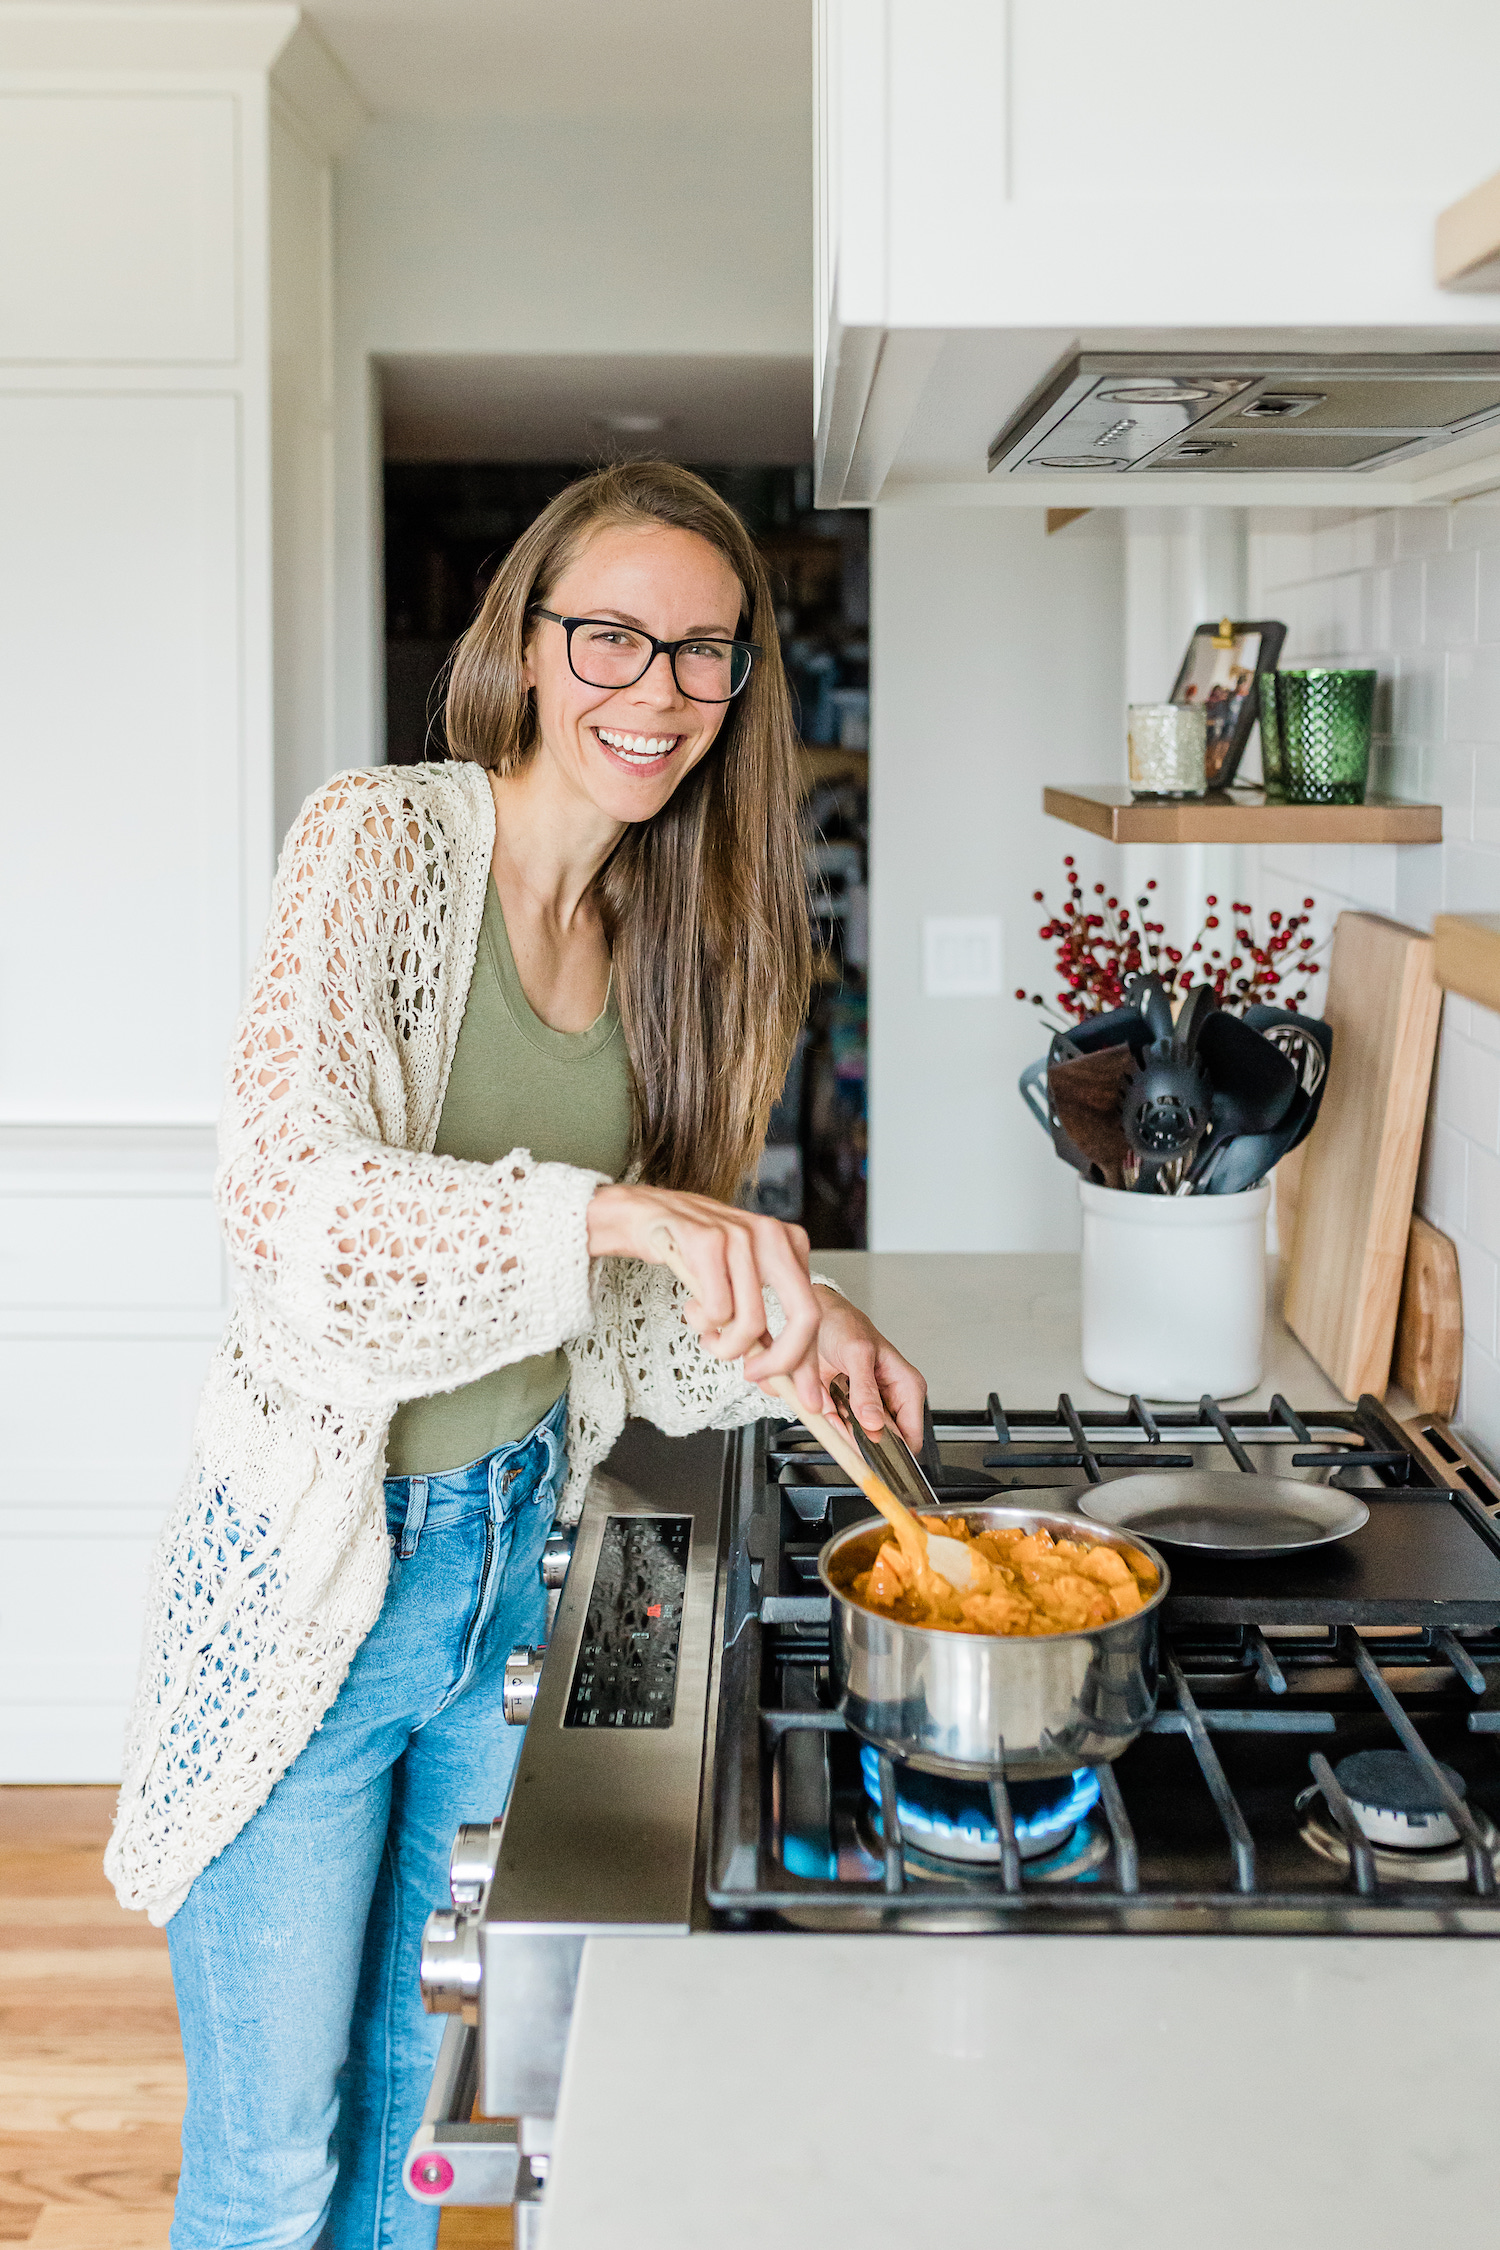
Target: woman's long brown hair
x=704 y=905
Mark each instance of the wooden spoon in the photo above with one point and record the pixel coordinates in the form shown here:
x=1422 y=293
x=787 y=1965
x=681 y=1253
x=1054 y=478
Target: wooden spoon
x=925 y=1551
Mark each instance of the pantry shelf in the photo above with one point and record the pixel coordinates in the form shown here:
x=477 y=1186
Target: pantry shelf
x=1238 y=816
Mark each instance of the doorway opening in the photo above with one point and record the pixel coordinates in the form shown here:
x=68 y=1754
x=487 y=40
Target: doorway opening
x=448 y=525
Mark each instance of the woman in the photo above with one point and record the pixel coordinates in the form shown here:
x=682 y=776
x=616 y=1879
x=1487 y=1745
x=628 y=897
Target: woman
x=489 y=989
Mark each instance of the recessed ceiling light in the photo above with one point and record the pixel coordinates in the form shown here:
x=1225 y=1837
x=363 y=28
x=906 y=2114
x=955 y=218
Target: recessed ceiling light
x=629 y=424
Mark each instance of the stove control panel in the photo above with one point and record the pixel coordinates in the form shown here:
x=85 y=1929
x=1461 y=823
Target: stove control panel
x=626 y=1671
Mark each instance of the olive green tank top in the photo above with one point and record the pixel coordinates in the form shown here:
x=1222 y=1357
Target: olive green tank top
x=515 y=1083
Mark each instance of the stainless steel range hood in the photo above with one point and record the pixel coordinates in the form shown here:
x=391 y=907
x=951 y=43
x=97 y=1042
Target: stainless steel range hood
x=1123 y=413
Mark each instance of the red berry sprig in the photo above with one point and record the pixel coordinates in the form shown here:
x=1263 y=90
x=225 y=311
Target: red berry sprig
x=1102 y=947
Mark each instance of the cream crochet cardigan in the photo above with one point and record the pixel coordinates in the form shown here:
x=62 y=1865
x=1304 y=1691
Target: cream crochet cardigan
x=367 y=1270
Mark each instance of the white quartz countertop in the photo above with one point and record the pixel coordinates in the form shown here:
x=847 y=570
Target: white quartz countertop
x=1009 y=1322
x=1142 y=2092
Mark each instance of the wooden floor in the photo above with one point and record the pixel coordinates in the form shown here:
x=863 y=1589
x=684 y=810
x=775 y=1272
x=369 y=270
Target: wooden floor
x=91 y=2077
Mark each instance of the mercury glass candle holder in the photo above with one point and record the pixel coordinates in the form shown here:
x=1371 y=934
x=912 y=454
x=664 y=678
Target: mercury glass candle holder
x=1168 y=749
x=1324 y=718
x=1272 y=765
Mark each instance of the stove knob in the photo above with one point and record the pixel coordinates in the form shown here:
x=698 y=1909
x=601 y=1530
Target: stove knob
x=450 y=1965
x=557 y=1554
x=471 y=1863
x=523 y=1670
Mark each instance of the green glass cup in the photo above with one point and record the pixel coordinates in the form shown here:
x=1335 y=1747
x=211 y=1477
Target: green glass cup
x=1323 y=718
x=1273 y=771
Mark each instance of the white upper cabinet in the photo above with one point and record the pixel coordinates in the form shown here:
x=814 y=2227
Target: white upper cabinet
x=1002 y=187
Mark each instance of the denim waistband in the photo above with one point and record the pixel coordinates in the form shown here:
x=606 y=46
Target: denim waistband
x=490 y=1486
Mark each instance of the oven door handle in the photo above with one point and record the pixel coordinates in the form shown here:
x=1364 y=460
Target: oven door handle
x=455 y=2157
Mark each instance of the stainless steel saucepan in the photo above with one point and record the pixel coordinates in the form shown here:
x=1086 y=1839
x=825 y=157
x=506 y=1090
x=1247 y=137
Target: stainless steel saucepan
x=975 y=1705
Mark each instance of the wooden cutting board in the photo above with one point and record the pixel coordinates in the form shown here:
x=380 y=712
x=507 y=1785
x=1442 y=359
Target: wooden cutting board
x=1429 y=1361
x=1354 y=1205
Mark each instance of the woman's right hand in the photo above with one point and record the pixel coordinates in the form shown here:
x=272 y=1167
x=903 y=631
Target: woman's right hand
x=732 y=1256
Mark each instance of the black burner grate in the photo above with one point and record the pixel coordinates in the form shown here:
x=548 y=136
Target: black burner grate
x=1271 y=1672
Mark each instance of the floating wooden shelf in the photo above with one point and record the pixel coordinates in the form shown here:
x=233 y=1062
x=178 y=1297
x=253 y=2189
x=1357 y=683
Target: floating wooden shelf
x=1466 y=956
x=1239 y=816
x=1467 y=245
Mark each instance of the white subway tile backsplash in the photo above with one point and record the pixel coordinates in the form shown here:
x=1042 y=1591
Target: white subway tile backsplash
x=1418 y=695
x=1477 y=1272
x=1422 y=531
x=1480 y=1219
x=1404 y=603
x=1396 y=769
x=1333 y=542
x=1474 y=694
x=1476 y=523
x=1471 y=879
x=1469 y=1089
x=1419 y=884
x=1374 y=610
x=1416 y=593
x=1450 y=606
x=1478 y=1414
x=1486 y=823
x=1487 y=566
x=1443 y=1182
x=1448 y=780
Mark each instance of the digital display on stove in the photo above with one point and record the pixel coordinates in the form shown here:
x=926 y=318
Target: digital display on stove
x=626 y=1673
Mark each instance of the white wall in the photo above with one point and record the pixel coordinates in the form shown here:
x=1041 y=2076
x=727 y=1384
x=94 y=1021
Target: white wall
x=998 y=662
x=136 y=726
x=1417 y=594
x=548 y=235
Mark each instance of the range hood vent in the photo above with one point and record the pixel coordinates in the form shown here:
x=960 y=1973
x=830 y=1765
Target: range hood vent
x=1117 y=413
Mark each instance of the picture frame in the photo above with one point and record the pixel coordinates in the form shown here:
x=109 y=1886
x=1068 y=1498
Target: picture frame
x=1219 y=673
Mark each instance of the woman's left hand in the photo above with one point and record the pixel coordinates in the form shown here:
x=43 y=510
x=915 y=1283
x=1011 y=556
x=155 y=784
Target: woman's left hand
x=881 y=1383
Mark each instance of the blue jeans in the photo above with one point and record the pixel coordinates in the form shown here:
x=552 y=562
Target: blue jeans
x=295 y=1954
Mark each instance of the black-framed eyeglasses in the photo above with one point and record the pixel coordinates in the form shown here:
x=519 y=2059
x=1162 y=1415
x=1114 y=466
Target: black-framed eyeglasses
x=603 y=653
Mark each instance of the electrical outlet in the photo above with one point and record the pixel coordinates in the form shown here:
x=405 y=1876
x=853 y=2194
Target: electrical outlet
x=963 y=957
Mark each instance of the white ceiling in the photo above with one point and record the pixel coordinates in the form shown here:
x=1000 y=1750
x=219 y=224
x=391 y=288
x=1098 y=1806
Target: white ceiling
x=578 y=58
x=474 y=407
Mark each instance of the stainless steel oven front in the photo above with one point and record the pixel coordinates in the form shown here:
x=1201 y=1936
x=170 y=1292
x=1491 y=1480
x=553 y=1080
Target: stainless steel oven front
x=601 y=1833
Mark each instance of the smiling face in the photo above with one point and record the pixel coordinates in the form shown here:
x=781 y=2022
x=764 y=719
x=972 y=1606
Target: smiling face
x=627 y=749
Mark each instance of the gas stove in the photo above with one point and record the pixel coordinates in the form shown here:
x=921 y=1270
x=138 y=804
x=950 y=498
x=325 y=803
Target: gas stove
x=1322 y=1759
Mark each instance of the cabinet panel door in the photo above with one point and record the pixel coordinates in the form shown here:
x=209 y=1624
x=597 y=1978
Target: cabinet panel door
x=119 y=239
x=120 y=711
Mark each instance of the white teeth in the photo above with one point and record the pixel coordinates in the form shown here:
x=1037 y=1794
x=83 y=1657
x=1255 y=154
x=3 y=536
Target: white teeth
x=643 y=747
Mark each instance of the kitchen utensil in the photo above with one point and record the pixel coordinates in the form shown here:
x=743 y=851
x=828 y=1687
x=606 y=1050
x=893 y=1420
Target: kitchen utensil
x=889 y=1456
x=1166 y=1107
x=1240 y=1161
x=1148 y=996
x=924 y=1550
x=1306 y=1041
x=1168 y=749
x=1086 y=1093
x=1429 y=1356
x=1226 y=1513
x=1173 y=1292
x=1200 y=1003
x=974 y=1704
x=1125 y=1025
x=1253 y=1082
x=1324 y=717
x=1354 y=1207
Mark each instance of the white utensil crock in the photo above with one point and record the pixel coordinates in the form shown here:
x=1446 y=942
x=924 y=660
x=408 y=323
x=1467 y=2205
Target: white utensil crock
x=1174 y=1291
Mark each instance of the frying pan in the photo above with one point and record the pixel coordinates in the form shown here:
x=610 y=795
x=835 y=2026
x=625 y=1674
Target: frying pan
x=1226 y=1514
